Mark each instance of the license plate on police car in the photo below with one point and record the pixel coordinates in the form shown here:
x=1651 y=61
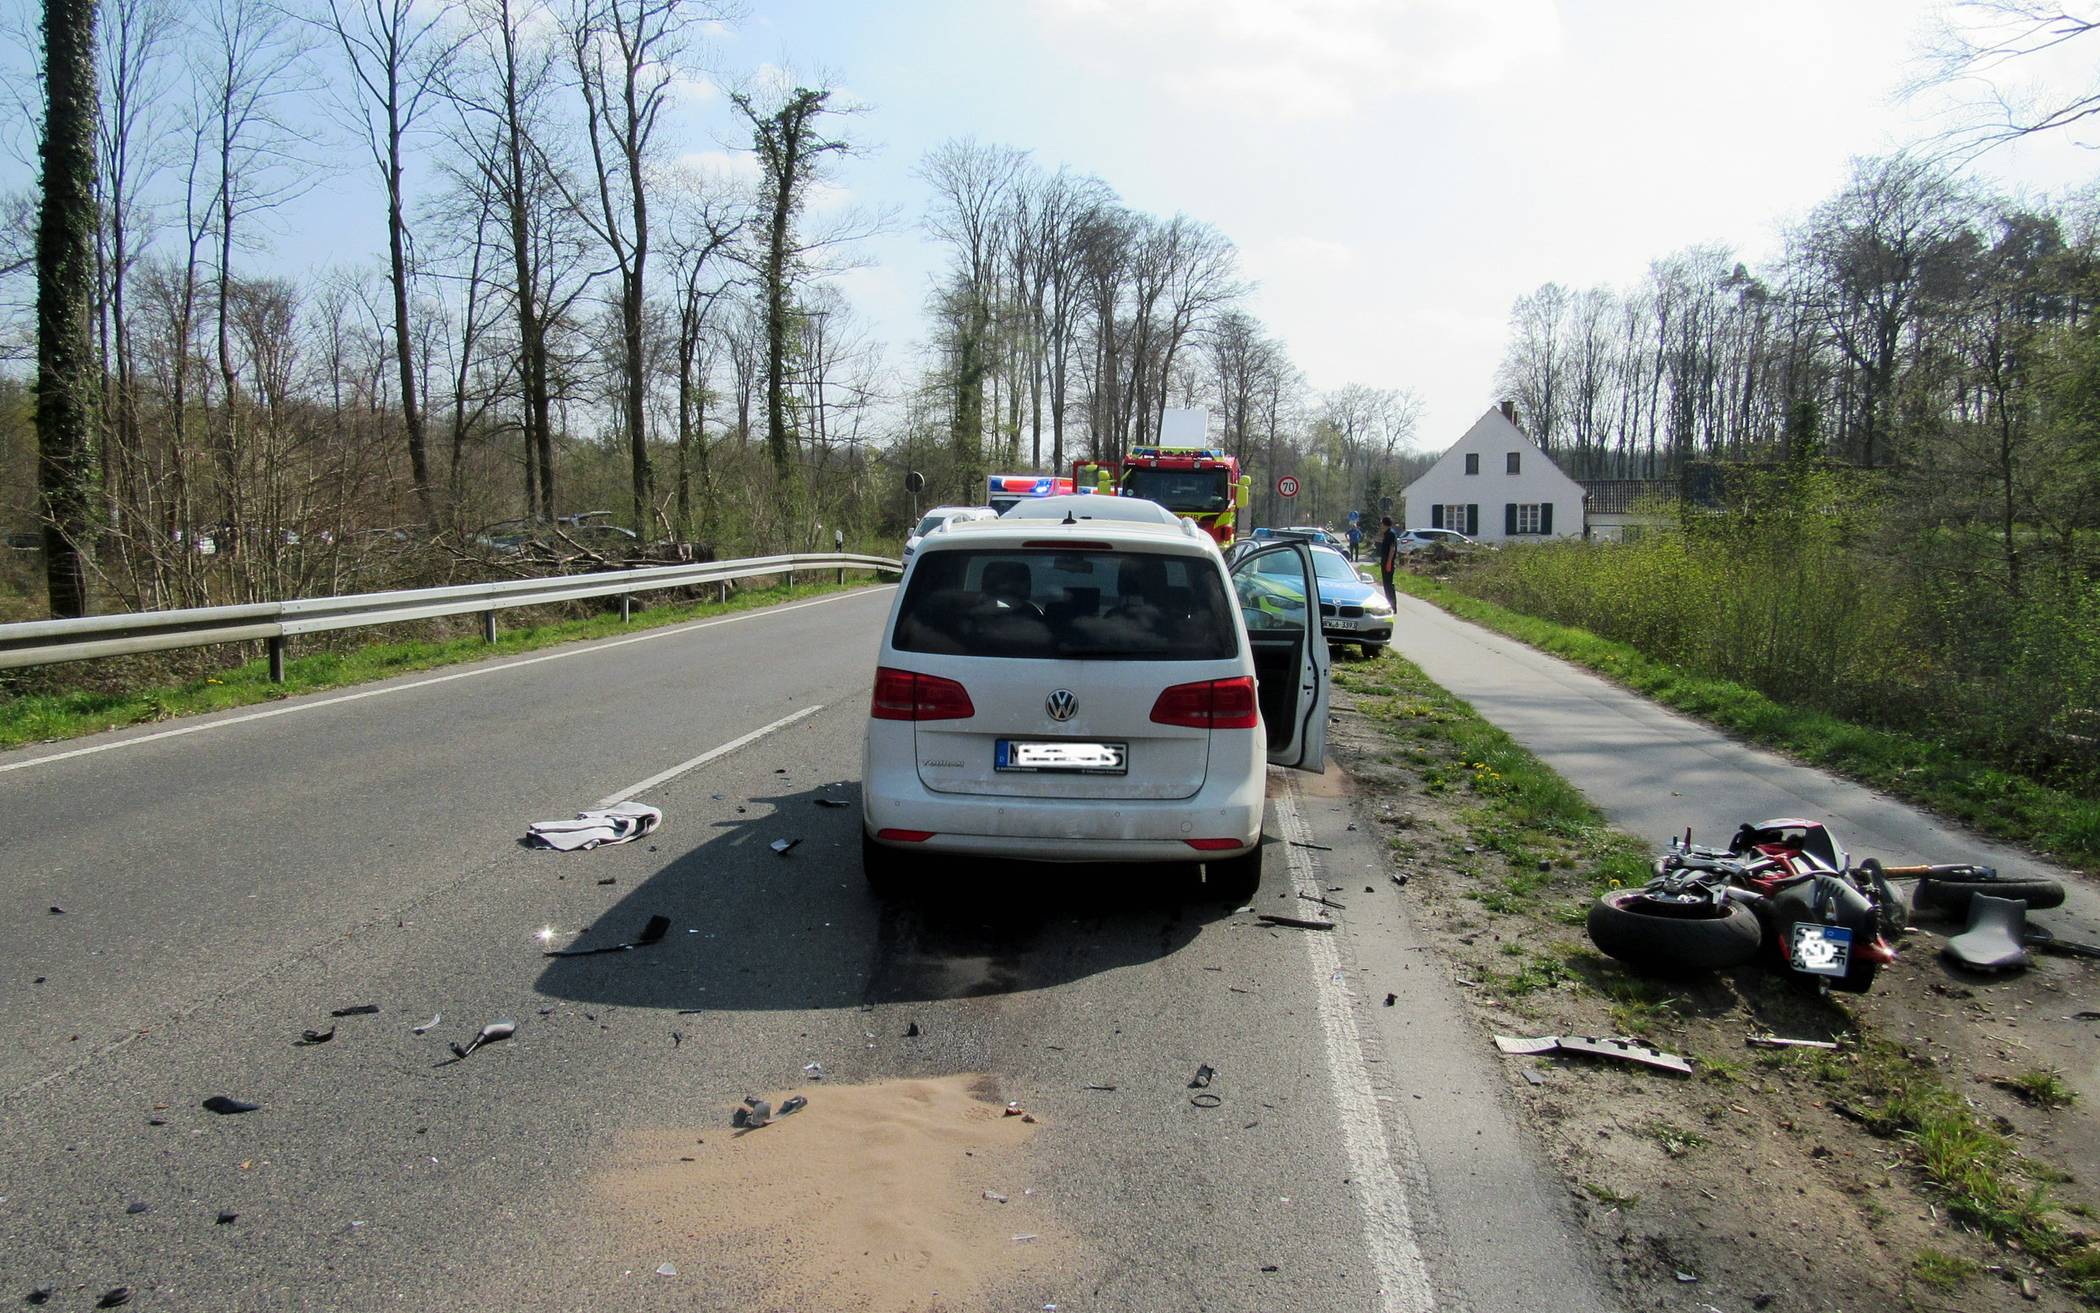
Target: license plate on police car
x=1820 y=950
x=1062 y=755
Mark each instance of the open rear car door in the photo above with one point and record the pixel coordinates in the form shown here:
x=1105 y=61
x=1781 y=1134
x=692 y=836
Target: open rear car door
x=1279 y=600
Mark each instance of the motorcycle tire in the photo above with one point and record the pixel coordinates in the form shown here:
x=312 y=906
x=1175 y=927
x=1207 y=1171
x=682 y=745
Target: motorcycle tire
x=1670 y=940
x=1952 y=896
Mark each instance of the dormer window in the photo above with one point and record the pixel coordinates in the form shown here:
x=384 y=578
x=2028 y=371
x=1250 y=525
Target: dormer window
x=1515 y=458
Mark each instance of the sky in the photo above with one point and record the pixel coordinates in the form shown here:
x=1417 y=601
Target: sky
x=1394 y=172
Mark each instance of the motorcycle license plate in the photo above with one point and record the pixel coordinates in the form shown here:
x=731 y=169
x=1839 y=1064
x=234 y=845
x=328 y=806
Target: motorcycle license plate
x=1820 y=950
x=1061 y=755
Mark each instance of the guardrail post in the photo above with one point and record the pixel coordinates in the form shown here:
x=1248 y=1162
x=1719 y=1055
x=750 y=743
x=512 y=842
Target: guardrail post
x=277 y=658
x=725 y=592
x=626 y=607
x=488 y=626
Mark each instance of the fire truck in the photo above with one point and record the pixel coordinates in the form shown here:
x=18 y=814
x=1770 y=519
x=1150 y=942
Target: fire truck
x=1196 y=483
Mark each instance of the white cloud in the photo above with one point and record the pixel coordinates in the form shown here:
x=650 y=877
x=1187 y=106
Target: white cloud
x=1304 y=59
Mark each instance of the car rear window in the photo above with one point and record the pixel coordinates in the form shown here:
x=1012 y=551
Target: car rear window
x=1087 y=605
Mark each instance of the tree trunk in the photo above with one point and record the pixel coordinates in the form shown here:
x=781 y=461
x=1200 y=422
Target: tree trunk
x=65 y=259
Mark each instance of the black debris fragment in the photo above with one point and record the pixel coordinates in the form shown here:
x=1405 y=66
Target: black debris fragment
x=226 y=1107
x=41 y=1295
x=794 y=1103
x=1390 y=999
x=225 y=1218
x=134 y=1209
x=1202 y=1078
x=1316 y=847
x=831 y=802
x=1296 y=923
x=1205 y=1100
x=653 y=932
x=56 y=910
x=1400 y=878
x=116 y=1298
x=361 y=1010
x=912 y=1031
x=1101 y=1087
x=1270 y=1267
x=677 y=1038
x=501 y=1028
x=316 y=1036
x=608 y=880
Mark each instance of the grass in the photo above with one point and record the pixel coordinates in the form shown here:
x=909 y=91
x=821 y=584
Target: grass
x=1942 y=1271
x=39 y=718
x=2043 y=1087
x=1976 y=793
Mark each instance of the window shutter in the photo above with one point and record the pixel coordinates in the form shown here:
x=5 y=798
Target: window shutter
x=1472 y=529
x=1546 y=517
x=1436 y=516
x=1509 y=520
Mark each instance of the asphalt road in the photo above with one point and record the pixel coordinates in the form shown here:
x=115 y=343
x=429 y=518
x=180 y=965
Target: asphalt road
x=229 y=881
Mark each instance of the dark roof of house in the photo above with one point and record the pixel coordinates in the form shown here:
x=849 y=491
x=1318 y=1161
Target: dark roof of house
x=1620 y=496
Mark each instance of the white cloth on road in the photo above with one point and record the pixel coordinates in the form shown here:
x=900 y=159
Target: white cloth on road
x=619 y=823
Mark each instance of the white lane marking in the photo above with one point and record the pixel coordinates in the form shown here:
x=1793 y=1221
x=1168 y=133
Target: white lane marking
x=1389 y=1234
x=694 y=763
x=420 y=683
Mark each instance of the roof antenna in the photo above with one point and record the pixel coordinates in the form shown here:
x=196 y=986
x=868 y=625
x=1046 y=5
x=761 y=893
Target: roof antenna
x=1068 y=518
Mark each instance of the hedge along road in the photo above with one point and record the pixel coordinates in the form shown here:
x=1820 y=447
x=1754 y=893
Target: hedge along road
x=229 y=886
x=1654 y=771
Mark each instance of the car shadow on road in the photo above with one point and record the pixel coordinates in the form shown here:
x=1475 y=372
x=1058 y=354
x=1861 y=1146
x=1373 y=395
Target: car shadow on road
x=756 y=930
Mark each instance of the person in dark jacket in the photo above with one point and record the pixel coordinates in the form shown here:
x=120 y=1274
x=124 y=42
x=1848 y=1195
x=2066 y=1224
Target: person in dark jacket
x=1388 y=558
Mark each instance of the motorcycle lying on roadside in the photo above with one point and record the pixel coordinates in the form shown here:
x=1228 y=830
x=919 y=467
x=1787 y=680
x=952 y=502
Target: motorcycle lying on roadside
x=1787 y=888
x=1783 y=886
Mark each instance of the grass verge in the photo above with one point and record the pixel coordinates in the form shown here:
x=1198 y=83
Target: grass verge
x=38 y=718
x=1978 y=794
x=1540 y=851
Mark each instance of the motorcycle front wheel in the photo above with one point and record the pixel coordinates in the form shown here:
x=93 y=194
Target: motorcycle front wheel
x=1673 y=939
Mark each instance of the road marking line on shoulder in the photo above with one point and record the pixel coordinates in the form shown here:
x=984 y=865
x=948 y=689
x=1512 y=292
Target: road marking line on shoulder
x=695 y=763
x=1389 y=1233
x=362 y=694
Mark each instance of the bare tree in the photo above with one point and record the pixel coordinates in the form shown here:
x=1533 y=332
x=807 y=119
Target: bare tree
x=65 y=273
x=396 y=55
x=793 y=154
x=1977 y=49
x=972 y=185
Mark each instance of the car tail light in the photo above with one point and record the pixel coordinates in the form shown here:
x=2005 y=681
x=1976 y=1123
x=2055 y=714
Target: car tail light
x=1070 y=545
x=904 y=695
x=904 y=836
x=1208 y=704
x=1214 y=845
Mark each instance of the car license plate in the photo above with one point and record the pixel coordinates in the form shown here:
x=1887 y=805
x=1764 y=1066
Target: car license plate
x=1821 y=950
x=1062 y=755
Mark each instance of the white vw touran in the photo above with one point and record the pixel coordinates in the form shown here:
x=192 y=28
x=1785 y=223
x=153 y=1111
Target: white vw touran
x=1089 y=690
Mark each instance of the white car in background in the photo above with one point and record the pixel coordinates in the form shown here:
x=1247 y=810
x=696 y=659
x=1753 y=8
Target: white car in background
x=1089 y=506
x=1072 y=690
x=940 y=517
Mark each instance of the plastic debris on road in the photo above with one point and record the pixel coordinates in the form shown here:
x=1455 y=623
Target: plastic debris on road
x=598 y=828
x=666 y=1270
x=357 y=1010
x=1294 y=922
x=831 y=802
x=226 y=1107
x=501 y=1028
x=316 y=1036
x=754 y=1114
x=995 y=1196
x=652 y=932
x=134 y=1209
x=115 y=1298
x=782 y=846
x=226 y=1217
x=1201 y=1080
x=792 y=1104
x=814 y=1070
x=1623 y=1050
x=428 y=1026
x=912 y=1031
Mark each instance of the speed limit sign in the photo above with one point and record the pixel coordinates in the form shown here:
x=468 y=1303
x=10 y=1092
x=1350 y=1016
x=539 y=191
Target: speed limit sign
x=1287 y=486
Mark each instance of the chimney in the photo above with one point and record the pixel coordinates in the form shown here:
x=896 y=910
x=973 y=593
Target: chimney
x=1509 y=411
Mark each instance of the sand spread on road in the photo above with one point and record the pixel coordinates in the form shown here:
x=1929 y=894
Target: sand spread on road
x=872 y=1197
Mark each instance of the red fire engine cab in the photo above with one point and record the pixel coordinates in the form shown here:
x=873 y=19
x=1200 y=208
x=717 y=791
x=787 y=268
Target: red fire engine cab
x=1196 y=483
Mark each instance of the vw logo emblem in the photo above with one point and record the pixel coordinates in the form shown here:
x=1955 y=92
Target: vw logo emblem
x=1061 y=705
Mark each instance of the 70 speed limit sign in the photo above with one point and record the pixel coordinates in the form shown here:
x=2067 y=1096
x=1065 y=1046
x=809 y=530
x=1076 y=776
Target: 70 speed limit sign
x=1287 y=486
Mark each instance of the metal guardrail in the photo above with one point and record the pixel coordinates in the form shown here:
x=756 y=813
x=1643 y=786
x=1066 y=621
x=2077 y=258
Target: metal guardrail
x=43 y=642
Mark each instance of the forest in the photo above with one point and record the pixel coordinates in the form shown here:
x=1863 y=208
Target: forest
x=584 y=335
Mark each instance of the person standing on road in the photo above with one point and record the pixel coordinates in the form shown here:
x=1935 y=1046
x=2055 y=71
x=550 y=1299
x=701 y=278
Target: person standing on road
x=1388 y=558
x=1356 y=537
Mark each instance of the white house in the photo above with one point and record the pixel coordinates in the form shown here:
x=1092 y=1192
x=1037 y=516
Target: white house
x=1496 y=485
